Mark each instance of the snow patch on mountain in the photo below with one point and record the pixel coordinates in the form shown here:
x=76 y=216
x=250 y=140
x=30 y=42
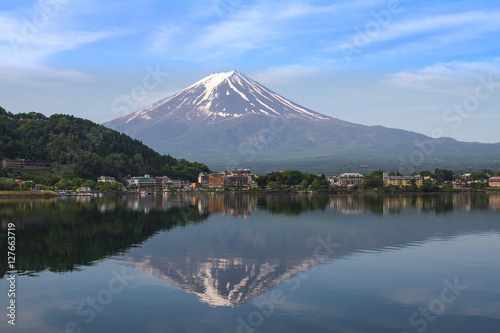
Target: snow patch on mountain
x=220 y=96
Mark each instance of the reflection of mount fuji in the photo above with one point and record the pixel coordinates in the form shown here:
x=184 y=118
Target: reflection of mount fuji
x=226 y=281
x=194 y=241
x=228 y=263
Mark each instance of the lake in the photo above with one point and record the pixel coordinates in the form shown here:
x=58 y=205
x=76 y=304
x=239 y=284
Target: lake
x=253 y=263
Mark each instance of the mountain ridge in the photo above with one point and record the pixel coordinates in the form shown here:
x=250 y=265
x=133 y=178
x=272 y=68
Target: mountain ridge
x=91 y=149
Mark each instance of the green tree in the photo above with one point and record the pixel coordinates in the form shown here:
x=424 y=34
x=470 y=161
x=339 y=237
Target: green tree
x=275 y=186
x=375 y=179
x=319 y=184
x=428 y=186
x=497 y=174
x=89 y=183
x=63 y=184
x=477 y=186
x=479 y=176
x=425 y=173
x=8 y=184
x=442 y=175
x=91 y=149
x=26 y=185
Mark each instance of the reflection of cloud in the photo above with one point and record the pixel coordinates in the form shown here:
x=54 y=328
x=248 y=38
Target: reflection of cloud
x=477 y=305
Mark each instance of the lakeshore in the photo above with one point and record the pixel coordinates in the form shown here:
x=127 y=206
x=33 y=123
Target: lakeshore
x=388 y=191
x=28 y=194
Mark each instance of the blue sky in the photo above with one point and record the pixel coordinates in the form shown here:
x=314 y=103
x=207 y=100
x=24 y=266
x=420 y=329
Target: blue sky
x=428 y=66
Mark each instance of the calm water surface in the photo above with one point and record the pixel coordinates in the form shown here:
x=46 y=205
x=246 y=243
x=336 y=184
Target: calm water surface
x=248 y=263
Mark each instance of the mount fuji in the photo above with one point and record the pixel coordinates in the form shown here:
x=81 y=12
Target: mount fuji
x=228 y=120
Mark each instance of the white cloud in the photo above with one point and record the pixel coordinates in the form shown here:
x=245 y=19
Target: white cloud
x=426 y=32
x=29 y=36
x=453 y=77
x=163 y=38
x=244 y=27
x=283 y=74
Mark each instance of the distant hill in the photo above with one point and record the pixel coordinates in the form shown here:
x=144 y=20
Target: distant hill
x=93 y=149
x=228 y=119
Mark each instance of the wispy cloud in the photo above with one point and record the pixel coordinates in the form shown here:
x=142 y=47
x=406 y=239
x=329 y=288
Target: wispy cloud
x=281 y=74
x=30 y=36
x=452 y=77
x=163 y=38
x=428 y=32
x=260 y=25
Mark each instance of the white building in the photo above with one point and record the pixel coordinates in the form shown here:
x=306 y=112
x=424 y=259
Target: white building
x=494 y=181
x=142 y=182
x=106 y=179
x=351 y=180
x=203 y=179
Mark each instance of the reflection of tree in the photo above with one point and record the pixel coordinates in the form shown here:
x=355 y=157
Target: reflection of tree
x=60 y=236
x=293 y=204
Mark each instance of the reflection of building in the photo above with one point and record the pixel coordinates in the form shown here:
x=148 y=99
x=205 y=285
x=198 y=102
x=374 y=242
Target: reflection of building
x=494 y=202
x=348 y=204
x=402 y=180
x=494 y=182
x=462 y=200
x=351 y=180
x=394 y=204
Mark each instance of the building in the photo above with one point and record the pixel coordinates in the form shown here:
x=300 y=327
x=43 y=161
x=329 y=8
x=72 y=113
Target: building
x=22 y=164
x=466 y=176
x=351 y=179
x=17 y=164
x=203 y=179
x=163 y=182
x=459 y=184
x=195 y=185
x=33 y=165
x=332 y=181
x=402 y=180
x=238 y=178
x=494 y=182
x=142 y=182
x=180 y=183
x=106 y=179
x=217 y=179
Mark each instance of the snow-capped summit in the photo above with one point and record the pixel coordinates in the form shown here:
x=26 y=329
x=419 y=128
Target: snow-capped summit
x=219 y=96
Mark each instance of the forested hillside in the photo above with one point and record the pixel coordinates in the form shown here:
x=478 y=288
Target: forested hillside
x=92 y=149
